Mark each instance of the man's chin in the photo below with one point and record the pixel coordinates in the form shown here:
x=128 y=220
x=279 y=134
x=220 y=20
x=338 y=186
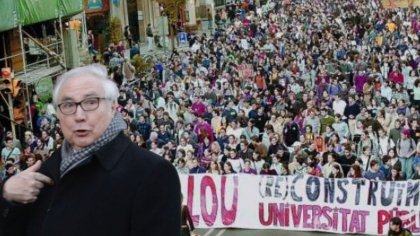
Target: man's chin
x=78 y=145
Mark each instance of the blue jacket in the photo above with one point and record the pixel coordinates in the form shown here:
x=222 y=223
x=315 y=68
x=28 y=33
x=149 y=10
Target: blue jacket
x=374 y=175
x=197 y=170
x=144 y=129
x=165 y=137
x=230 y=114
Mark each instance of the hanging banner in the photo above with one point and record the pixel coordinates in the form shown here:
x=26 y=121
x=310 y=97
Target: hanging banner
x=301 y=202
x=44 y=89
x=94 y=6
x=400 y=3
x=182 y=38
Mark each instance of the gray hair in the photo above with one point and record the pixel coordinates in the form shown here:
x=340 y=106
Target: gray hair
x=95 y=70
x=153 y=135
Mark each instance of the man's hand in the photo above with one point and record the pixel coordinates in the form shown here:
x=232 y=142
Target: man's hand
x=25 y=186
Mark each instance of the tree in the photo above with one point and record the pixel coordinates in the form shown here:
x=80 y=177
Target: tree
x=172 y=9
x=141 y=65
x=115 y=30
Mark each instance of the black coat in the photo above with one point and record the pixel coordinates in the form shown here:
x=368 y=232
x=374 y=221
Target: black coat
x=121 y=190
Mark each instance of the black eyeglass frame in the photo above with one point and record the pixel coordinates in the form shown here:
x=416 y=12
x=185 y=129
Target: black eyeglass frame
x=77 y=104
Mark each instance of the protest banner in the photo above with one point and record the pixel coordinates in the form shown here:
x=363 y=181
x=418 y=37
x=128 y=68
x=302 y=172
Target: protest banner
x=400 y=3
x=300 y=202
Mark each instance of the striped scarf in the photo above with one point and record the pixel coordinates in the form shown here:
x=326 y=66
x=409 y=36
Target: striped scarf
x=71 y=158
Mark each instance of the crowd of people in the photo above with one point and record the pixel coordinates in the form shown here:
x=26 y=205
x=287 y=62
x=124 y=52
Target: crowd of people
x=326 y=88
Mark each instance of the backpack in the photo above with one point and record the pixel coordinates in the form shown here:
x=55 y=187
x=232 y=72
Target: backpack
x=411 y=144
x=380 y=148
x=371 y=146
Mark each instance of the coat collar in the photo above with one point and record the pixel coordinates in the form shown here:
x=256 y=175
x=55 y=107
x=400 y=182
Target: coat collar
x=112 y=152
x=107 y=156
x=51 y=167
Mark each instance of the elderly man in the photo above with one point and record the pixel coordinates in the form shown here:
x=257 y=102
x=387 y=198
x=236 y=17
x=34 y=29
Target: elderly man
x=98 y=183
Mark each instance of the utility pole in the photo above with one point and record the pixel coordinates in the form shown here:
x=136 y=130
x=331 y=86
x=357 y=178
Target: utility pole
x=164 y=30
x=163 y=34
x=11 y=115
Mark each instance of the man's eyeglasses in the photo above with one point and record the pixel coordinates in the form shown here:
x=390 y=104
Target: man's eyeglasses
x=87 y=104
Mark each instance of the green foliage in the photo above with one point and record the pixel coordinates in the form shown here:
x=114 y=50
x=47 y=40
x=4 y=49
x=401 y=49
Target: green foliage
x=141 y=65
x=172 y=8
x=115 y=30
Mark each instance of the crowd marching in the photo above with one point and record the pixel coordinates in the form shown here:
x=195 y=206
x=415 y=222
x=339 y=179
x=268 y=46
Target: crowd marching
x=327 y=88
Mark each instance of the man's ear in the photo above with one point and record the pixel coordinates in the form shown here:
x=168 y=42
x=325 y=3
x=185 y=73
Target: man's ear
x=114 y=106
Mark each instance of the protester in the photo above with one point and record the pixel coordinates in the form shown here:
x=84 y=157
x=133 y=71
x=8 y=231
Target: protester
x=374 y=173
x=396 y=228
x=187 y=225
x=10 y=152
x=128 y=36
x=149 y=34
x=416 y=174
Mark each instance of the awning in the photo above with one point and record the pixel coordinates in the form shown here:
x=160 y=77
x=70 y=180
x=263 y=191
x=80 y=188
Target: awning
x=27 y=12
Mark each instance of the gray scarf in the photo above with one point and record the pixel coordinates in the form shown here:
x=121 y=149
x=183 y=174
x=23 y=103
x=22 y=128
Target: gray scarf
x=71 y=158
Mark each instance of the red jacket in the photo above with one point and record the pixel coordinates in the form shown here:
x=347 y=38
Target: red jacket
x=396 y=77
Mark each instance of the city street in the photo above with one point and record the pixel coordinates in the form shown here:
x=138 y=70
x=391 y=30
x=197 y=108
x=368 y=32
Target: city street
x=245 y=232
x=269 y=117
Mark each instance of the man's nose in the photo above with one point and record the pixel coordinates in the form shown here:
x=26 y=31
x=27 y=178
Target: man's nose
x=80 y=114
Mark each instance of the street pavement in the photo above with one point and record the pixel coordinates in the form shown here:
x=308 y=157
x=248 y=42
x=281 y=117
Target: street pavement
x=144 y=51
x=246 y=232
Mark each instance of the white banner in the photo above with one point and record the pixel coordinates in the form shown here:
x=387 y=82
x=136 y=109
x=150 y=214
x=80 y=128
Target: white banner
x=304 y=203
x=400 y=3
